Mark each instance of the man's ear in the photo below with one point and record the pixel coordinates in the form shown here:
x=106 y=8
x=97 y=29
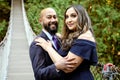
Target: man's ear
x=40 y=20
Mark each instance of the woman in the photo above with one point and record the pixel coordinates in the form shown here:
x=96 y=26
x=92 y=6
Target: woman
x=78 y=42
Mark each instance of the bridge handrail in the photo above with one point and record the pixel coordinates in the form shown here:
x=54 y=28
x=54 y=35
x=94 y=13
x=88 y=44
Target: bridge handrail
x=6 y=42
x=29 y=32
x=5 y=48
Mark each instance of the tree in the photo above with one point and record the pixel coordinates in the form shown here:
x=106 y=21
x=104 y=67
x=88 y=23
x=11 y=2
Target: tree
x=4 y=17
x=105 y=20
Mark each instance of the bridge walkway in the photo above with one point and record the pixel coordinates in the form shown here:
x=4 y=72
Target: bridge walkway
x=19 y=65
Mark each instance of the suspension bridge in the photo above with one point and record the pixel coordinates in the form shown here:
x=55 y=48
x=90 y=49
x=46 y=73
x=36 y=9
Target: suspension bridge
x=14 y=49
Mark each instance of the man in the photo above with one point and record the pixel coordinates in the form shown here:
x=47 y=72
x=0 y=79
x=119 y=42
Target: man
x=43 y=67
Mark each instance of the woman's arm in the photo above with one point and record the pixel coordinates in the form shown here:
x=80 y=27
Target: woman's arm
x=69 y=63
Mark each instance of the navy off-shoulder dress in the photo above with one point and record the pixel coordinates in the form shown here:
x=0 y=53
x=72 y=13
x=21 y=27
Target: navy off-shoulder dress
x=87 y=50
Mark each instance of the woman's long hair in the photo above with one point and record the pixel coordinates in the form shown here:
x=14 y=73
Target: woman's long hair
x=84 y=23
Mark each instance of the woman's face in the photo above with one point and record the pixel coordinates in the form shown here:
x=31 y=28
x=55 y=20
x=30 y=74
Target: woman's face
x=71 y=19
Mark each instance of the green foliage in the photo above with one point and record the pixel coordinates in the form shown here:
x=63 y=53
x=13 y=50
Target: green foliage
x=3 y=29
x=4 y=17
x=105 y=16
x=4 y=10
x=106 y=27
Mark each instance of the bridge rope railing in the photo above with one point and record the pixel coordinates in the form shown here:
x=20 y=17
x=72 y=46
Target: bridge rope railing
x=6 y=42
x=29 y=32
x=5 y=48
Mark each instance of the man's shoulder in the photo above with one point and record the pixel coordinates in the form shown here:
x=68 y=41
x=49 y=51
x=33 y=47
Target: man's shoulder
x=40 y=35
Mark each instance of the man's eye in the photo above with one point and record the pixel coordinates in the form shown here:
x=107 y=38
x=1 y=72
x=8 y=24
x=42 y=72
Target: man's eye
x=54 y=17
x=49 y=17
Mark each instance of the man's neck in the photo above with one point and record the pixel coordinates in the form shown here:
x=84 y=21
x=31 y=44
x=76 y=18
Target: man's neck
x=47 y=33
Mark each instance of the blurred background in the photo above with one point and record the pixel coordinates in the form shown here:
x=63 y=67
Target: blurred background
x=104 y=14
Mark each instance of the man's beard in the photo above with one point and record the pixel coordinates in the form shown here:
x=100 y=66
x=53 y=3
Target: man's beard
x=48 y=27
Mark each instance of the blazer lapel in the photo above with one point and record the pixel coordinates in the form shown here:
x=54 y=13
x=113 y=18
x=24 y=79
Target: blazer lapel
x=43 y=35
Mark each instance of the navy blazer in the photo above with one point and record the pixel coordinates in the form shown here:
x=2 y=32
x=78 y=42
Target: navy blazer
x=42 y=65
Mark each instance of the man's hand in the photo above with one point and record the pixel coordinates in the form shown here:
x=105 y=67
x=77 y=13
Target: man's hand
x=66 y=65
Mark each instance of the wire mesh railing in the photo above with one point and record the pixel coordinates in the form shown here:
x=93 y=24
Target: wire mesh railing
x=5 y=48
x=29 y=32
x=6 y=43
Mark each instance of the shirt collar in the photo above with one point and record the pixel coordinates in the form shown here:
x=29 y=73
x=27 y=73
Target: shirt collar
x=48 y=34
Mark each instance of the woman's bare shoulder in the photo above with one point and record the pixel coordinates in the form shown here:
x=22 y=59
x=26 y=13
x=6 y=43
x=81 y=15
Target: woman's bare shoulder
x=87 y=36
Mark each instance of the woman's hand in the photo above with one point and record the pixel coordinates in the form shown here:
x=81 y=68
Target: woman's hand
x=43 y=43
x=59 y=35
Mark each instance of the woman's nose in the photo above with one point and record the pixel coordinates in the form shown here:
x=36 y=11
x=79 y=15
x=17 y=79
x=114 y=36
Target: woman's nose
x=69 y=19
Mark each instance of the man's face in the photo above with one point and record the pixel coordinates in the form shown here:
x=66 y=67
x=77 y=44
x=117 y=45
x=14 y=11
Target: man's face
x=50 y=21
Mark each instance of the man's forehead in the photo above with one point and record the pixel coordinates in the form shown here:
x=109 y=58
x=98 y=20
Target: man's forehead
x=50 y=14
x=48 y=11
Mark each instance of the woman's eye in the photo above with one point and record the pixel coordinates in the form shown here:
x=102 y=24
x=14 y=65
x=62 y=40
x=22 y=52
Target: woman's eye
x=66 y=16
x=73 y=15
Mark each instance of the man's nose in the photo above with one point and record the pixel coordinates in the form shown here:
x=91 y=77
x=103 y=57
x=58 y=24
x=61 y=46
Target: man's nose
x=53 y=19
